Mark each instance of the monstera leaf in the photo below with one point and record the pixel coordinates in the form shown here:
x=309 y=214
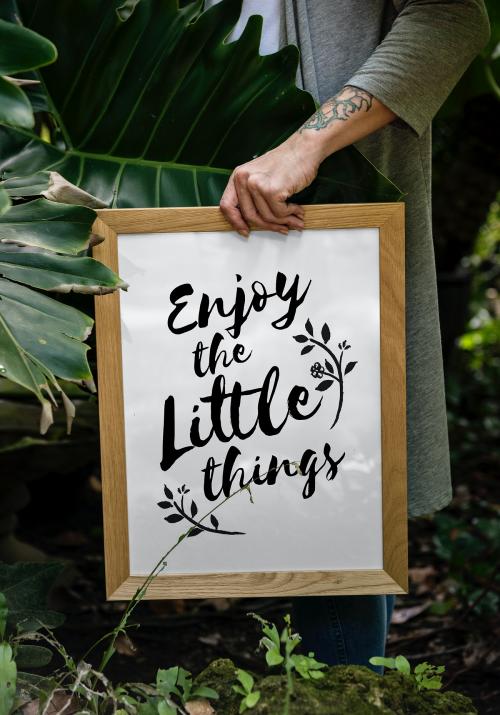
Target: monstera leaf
x=20 y=50
x=154 y=108
x=41 y=339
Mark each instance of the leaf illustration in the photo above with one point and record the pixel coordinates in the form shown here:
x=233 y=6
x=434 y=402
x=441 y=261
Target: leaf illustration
x=301 y=338
x=174 y=518
x=325 y=333
x=194 y=509
x=195 y=531
x=307 y=349
x=167 y=492
x=215 y=521
x=328 y=366
x=324 y=385
x=309 y=327
x=349 y=367
x=340 y=346
x=164 y=504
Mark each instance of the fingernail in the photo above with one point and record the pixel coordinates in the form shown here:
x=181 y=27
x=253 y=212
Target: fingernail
x=284 y=231
x=243 y=233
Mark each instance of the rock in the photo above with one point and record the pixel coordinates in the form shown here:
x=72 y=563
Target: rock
x=355 y=690
x=199 y=707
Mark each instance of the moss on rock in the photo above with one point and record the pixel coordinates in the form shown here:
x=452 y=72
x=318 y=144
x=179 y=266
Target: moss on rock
x=351 y=690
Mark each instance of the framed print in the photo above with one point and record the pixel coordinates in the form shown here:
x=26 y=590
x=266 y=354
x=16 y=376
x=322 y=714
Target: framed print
x=252 y=396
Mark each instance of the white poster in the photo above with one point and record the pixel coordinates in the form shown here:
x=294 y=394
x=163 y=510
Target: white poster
x=253 y=362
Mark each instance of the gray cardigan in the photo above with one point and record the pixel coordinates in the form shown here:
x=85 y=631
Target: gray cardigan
x=409 y=55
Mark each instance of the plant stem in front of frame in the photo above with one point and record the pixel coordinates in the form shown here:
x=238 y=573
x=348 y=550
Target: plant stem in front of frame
x=141 y=591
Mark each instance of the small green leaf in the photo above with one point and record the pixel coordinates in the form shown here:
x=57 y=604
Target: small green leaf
x=316 y=674
x=252 y=699
x=32 y=656
x=421 y=667
x=245 y=679
x=273 y=657
x=385 y=662
x=402 y=664
x=165 y=709
x=205 y=692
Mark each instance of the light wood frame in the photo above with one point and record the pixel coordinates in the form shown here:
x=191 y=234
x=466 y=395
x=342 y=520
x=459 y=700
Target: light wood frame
x=393 y=578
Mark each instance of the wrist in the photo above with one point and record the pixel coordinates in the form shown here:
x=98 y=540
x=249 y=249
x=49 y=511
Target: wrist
x=309 y=146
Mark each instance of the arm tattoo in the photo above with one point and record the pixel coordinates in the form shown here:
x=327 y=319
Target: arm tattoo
x=340 y=107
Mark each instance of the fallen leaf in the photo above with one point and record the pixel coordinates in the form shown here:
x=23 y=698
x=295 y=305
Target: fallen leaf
x=401 y=615
x=125 y=646
x=58 y=702
x=211 y=639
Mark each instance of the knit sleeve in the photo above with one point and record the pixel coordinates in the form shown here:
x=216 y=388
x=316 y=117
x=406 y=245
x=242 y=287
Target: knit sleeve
x=428 y=48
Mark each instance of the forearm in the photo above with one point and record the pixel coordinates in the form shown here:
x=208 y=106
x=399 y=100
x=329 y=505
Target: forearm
x=344 y=119
x=257 y=192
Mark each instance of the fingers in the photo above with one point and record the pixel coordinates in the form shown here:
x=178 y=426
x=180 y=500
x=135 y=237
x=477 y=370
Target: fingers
x=230 y=209
x=273 y=210
x=249 y=199
x=248 y=208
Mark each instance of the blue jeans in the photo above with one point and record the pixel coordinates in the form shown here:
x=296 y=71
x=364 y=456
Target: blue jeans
x=343 y=630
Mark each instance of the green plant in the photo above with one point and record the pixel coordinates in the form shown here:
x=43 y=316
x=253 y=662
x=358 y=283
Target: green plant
x=21 y=50
x=426 y=676
x=250 y=697
x=177 y=682
x=41 y=339
x=24 y=591
x=280 y=651
x=8 y=679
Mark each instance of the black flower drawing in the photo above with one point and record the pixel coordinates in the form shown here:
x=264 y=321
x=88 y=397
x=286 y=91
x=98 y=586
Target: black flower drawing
x=180 y=513
x=317 y=370
x=332 y=367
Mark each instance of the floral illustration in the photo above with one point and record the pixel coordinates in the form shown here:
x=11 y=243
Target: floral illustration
x=331 y=368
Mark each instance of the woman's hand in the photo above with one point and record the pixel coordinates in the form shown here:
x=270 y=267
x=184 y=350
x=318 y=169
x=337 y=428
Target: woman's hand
x=257 y=192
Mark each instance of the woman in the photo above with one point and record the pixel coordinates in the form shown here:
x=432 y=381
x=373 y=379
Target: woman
x=381 y=70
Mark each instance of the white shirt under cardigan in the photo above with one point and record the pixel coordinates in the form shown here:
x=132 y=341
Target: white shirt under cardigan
x=271 y=11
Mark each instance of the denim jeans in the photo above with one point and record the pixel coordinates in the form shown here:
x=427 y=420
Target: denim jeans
x=343 y=630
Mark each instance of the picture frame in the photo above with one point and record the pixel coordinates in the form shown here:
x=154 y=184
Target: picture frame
x=392 y=575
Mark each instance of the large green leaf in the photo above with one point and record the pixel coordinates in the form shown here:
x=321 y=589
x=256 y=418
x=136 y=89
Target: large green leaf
x=20 y=50
x=46 y=224
x=5 y=202
x=59 y=273
x=51 y=332
x=41 y=339
x=15 y=107
x=156 y=109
